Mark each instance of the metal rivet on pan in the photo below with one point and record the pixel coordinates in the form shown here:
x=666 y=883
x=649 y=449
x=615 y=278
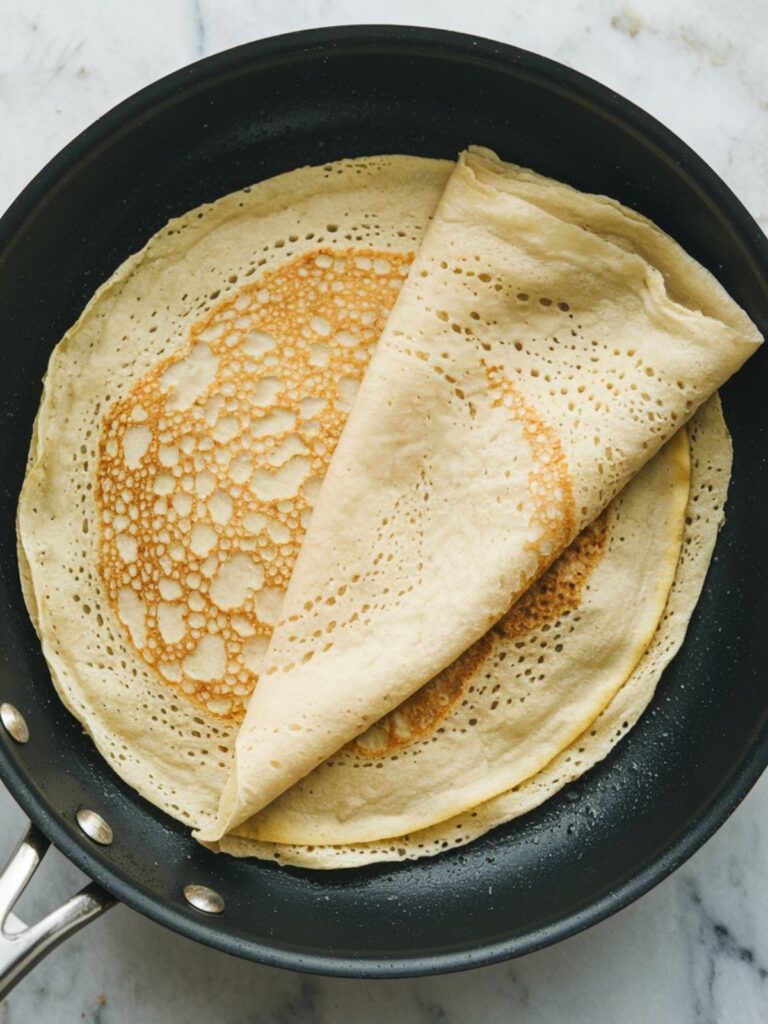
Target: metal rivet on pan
x=13 y=720
x=203 y=898
x=94 y=826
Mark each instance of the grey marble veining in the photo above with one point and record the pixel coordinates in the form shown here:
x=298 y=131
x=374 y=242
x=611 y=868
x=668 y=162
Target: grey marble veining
x=693 y=950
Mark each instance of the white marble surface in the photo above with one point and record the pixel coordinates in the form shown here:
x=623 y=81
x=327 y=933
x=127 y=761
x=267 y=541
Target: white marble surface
x=696 y=948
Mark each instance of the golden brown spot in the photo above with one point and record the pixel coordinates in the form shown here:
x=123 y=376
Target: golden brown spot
x=209 y=468
x=549 y=481
x=557 y=591
x=560 y=588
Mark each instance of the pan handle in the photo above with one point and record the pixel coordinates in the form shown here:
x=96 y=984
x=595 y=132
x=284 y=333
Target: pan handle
x=22 y=946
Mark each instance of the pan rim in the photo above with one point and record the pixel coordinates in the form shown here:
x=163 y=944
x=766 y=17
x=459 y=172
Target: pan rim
x=503 y=58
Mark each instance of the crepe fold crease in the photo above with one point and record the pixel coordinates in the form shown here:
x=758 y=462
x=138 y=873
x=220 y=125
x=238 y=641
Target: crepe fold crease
x=543 y=348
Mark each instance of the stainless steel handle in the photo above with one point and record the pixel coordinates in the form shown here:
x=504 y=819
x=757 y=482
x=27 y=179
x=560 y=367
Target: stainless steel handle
x=22 y=946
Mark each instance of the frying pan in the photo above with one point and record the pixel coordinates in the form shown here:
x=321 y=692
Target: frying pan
x=224 y=123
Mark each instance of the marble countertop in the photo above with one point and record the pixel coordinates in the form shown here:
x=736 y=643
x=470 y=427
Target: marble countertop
x=696 y=948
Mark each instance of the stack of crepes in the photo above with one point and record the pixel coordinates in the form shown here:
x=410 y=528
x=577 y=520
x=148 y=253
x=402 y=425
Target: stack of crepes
x=366 y=506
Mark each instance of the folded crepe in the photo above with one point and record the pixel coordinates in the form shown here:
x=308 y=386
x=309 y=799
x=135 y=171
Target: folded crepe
x=187 y=423
x=544 y=346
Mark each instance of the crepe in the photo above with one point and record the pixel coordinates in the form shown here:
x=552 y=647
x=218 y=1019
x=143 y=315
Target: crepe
x=290 y=283
x=710 y=464
x=243 y=326
x=533 y=363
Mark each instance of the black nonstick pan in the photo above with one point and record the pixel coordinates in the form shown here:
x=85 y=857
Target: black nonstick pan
x=224 y=123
